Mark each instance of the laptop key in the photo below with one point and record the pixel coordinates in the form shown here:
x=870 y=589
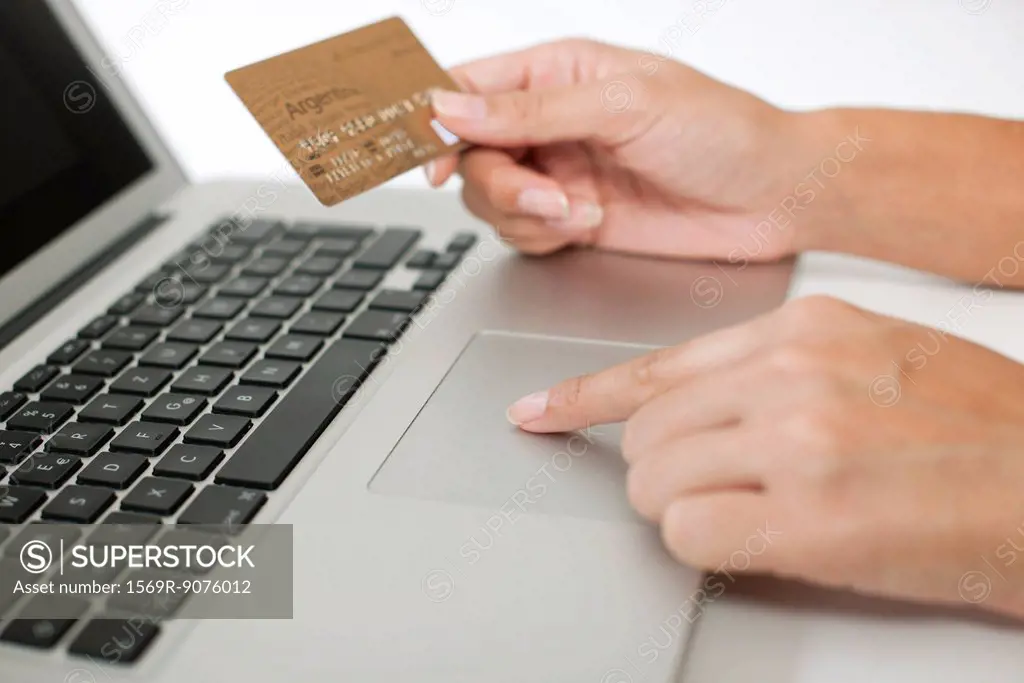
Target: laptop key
x=258 y=230
x=319 y=265
x=115 y=641
x=447 y=261
x=220 y=308
x=276 y=307
x=245 y=401
x=81 y=504
x=10 y=401
x=36 y=378
x=145 y=438
x=68 y=352
x=203 y=380
x=41 y=416
x=186 y=461
x=245 y=286
x=283 y=246
x=299 y=285
x=462 y=242
x=113 y=470
x=156 y=315
x=127 y=303
x=382 y=326
x=253 y=329
x=141 y=381
x=229 y=354
x=398 y=300
x=51 y=534
x=229 y=253
x=223 y=506
x=105 y=363
x=339 y=300
x=333 y=230
x=43 y=633
x=388 y=249
x=115 y=409
x=318 y=323
x=17 y=503
x=420 y=259
x=293 y=426
x=429 y=280
x=98 y=327
x=222 y=431
x=207 y=273
x=14 y=445
x=173 y=355
x=81 y=439
x=178 y=409
x=271 y=373
x=359 y=279
x=157 y=496
x=130 y=338
x=46 y=470
x=265 y=266
x=195 y=331
x=295 y=347
x=72 y=389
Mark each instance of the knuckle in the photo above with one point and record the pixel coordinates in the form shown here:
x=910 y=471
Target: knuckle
x=639 y=489
x=811 y=310
x=649 y=368
x=569 y=394
x=796 y=360
x=814 y=431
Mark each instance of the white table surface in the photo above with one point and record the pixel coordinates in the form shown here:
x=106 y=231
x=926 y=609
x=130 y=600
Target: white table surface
x=964 y=55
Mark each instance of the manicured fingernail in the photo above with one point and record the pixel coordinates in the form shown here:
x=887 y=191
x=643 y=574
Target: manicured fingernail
x=528 y=408
x=582 y=216
x=459 y=105
x=544 y=203
x=429 y=171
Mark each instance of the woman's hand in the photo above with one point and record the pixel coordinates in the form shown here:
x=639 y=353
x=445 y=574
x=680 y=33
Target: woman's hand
x=883 y=456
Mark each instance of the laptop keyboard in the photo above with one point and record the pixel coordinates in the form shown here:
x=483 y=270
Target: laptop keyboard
x=147 y=416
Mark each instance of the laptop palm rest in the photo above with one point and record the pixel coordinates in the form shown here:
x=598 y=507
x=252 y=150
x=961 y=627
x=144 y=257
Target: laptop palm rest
x=462 y=449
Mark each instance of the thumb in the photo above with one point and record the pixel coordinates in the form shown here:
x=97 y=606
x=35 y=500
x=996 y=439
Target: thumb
x=605 y=113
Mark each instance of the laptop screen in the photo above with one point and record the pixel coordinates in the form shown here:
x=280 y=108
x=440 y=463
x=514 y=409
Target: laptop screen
x=64 y=149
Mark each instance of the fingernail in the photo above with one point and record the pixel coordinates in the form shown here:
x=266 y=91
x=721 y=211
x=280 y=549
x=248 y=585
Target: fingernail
x=528 y=408
x=582 y=216
x=429 y=171
x=459 y=105
x=544 y=203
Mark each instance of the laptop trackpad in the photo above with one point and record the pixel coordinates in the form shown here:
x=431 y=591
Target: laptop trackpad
x=462 y=449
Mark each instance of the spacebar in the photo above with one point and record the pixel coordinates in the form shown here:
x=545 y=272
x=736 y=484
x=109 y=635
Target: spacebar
x=291 y=428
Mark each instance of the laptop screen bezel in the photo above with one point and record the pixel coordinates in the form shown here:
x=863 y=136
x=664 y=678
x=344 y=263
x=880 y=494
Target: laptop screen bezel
x=83 y=241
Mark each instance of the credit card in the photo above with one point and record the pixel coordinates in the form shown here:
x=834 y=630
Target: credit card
x=350 y=112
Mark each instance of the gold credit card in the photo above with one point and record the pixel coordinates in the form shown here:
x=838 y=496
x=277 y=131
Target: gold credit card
x=350 y=112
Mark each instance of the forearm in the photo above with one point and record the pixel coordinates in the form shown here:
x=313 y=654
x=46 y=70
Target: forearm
x=938 y=192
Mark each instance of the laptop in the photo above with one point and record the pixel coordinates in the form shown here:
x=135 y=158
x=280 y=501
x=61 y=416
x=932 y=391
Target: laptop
x=190 y=354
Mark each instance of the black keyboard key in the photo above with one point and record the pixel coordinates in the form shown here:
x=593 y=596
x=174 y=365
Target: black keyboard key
x=229 y=354
x=105 y=363
x=280 y=307
x=50 y=534
x=359 y=279
x=148 y=606
x=295 y=347
x=258 y=230
x=113 y=470
x=253 y=329
x=288 y=431
x=80 y=504
x=36 y=378
x=228 y=253
x=332 y=230
x=207 y=272
x=98 y=327
x=447 y=261
x=382 y=326
x=461 y=242
x=398 y=300
x=11 y=401
x=339 y=300
x=299 y=285
x=157 y=496
x=17 y=503
x=178 y=409
x=14 y=446
x=336 y=247
x=82 y=439
x=186 y=461
x=68 y=352
x=115 y=409
x=127 y=303
x=388 y=249
x=72 y=389
x=46 y=470
x=265 y=266
x=319 y=265
x=226 y=507
x=288 y=248
x=141 y=381
x=420 y=259
x=133 y=519
x=156 y=315
x=318 y=323
x=429 y=280
x=116 y=641
x=220 y=308
x=45 y=417
x=203 y=380
x=195 y=331
x=173 y=292
x=147 y=438
x=245 y=286
x=272 y=373
x=222 y=431
x=172 y=355
x=131 y=338
x=246 y=401
x=35 y=630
